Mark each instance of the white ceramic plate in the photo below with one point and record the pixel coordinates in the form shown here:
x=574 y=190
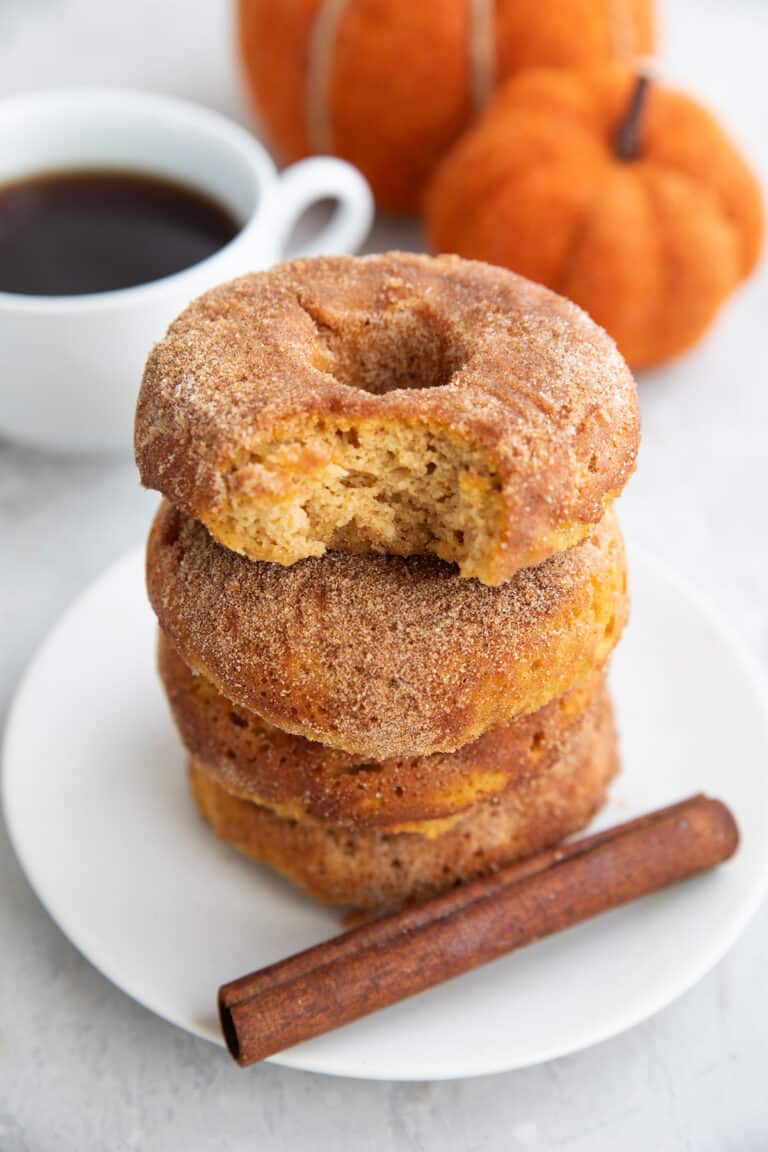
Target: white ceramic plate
x=96 y=802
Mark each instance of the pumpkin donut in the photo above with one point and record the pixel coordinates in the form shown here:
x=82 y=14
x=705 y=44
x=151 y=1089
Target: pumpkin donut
x=306 y=781
x=377 y=869
x=398 y=403
x=385 y=656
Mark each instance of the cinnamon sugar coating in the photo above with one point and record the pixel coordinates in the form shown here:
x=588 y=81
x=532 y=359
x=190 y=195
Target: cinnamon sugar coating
x=383 y=656
x=311 y=782
x=399 y=404
x=376 y=869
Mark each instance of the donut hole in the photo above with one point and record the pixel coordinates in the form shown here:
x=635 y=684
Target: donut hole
x=392 y=351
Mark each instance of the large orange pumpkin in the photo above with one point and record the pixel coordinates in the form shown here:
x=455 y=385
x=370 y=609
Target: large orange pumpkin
x=650 y=244
x=390 y=84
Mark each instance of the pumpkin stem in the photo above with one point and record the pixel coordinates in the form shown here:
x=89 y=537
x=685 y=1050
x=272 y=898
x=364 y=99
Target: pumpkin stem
x=626 y=143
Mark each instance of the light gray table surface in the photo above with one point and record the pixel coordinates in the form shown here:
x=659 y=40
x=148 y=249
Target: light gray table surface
x=83 y=1067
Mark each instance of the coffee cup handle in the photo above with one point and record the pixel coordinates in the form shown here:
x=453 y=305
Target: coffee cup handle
x=319 y=178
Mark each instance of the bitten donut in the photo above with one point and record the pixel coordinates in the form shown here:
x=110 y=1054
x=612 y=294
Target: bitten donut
x=385 y=656
x=306 y=781
x=377 y=869
x=398 y=403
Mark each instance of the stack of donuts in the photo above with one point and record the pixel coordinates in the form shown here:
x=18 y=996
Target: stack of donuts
x=387 y=571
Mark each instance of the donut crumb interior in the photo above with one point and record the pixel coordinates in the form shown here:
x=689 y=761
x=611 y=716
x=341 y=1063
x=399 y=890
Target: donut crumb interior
x=362 y=485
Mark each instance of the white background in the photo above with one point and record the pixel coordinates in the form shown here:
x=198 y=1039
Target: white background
x=81 y=1066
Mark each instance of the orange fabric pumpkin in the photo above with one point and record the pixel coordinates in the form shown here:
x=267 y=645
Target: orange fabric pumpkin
x=390 y=84
x=650 y=247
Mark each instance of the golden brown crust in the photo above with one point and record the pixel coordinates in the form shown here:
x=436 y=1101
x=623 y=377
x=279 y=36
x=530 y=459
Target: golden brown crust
x=258 y=762
x=521 y=376
x=383 y=656
x=377 y=869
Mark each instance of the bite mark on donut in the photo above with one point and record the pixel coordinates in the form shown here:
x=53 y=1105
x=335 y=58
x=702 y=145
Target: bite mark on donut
x=364 y=485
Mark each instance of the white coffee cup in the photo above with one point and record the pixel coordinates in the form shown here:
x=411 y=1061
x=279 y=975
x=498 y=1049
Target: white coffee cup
x=70 y=366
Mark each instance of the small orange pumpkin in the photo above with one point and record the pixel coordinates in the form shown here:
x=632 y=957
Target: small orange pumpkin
x=390 y=84
x=649 y=235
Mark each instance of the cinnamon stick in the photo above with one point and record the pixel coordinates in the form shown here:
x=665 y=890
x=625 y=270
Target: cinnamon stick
x=383 y=962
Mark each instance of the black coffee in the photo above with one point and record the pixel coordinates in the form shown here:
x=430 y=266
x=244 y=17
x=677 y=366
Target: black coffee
x=67 y=233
